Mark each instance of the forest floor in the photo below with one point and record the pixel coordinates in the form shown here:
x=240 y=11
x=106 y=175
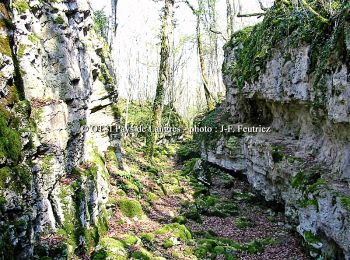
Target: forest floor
x=162 y=211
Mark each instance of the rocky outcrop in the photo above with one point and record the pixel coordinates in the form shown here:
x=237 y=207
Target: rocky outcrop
x=298 y=100
x=55 y=78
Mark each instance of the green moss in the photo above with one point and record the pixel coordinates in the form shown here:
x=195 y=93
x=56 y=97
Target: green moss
x=151 y=196
x=105 y=76
x=23 y=108
x=180 y=220
x=130 y=208
x=168 y=243
x=254 y=247
x=37 y=114
x=148 y=237
x=214 y=206
x=306 y=202
x=21 y=50
x=188 y=150
x=294 y=26
x=12 y=97
x=121 y=193
x=5 y=46
x=244 y=223
x=47 y=163
x=59 y=20
x=233 y=143
x=5 y=177
x=142 y=254
x=243 y=196
x=109 y=248
x=82 y=122
x=310 y=237
x=131 y=240
x=10 y=140
x=33 y=38
x=176 y=230
x=21 y=6
x=277 y=154
x=345 y=200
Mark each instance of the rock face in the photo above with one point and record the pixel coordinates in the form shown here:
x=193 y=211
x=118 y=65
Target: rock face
x=55 y=79
x=304 y=161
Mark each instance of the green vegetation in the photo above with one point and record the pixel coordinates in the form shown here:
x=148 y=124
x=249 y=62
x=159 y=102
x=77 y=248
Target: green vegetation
x=131 y=240
x=59 y=20
x=213 y=245
x=188 y=150
x=175 y=230
x=105 y=77
x=101 y=23
x=277 y=154
x=168 y=243
x=21 y=50
x=286 y=24
x=148 y=237
x=10 y=140
x=130 y=208
x=33 y=38
x=345 y=200
x=21 y=6
x=215 y=206
x=5 y=46
x=244 y=223
x=310 y=237
x=110 y=248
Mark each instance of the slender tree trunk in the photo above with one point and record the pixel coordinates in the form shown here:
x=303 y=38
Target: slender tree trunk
x=229 y=18
x=113 y=24
x=203 y=68
x=200 y=48
x=163 y=76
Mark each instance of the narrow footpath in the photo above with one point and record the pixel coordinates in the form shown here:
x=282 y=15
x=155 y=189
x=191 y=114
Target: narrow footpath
x=165 y=210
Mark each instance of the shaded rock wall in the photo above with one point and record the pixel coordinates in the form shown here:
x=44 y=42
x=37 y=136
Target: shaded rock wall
x=55 y=78
x=304 y=162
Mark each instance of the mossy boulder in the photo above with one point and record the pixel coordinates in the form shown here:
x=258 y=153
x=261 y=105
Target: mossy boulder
x=130 y=208
x=110 y=249
x=148 y=237
x=168 y=243
x=175 y=230
x=142 y=254
x=131 y=240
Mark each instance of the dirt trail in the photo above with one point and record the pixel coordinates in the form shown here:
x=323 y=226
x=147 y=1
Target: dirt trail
x=164 y=212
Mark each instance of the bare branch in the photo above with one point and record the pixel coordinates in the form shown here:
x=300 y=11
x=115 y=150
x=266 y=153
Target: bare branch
x=217 y=32
x=262 y=6
x=191 y=7
x=314 y=12
x=251 y=15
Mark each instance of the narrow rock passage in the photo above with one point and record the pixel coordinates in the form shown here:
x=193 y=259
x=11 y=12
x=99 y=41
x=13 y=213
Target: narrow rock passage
x=162 y=211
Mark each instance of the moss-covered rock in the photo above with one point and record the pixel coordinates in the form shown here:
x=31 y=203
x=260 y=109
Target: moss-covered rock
x=110 y=249
x=142 y=254
x=10 y=140
x=148 y=237
x=130 y=208
x=175 y=230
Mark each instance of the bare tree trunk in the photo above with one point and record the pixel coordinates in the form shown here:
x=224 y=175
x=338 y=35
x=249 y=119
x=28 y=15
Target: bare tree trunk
x=113 y=24
x=203 y=68
x=166 y=31
x=230 y=17
x=200 y=48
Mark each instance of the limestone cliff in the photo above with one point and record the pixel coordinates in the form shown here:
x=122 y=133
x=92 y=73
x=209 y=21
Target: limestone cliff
x=291 y=73
x=55 y=77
